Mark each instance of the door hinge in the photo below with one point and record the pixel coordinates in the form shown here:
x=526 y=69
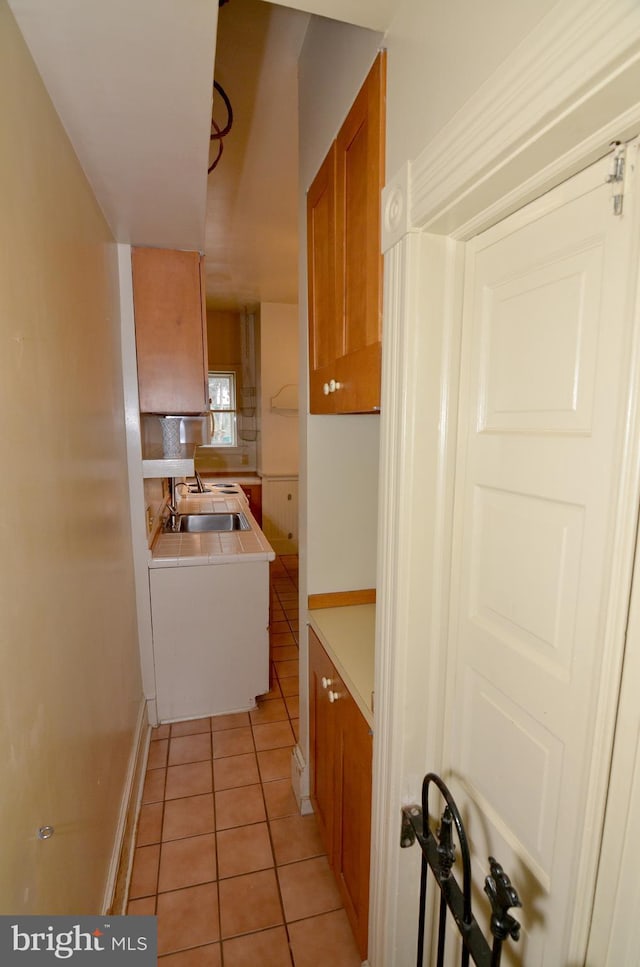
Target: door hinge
x=615 y=178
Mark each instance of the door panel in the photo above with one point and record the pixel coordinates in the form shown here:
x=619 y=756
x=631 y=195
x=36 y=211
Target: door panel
x=325 y=316
x=546 y=339
x=322 y=740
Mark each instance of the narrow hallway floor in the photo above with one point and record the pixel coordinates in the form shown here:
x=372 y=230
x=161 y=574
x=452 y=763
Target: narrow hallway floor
x=236 y=876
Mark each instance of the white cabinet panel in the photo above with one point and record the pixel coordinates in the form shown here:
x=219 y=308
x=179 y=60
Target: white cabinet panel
x=280 y=513
x=210 y=638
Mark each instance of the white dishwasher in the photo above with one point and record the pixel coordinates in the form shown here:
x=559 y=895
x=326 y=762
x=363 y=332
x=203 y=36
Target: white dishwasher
x=210 y=637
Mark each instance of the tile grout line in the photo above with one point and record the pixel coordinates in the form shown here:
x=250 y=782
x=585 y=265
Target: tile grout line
x=273 y=854
x=289 y=719
x=215 y=837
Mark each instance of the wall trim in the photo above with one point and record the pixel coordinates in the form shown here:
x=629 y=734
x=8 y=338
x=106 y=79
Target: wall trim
x=118 y=878
x=577 y=72
x=137 y=504
x=621 y=649
x=596 y=145
x=298 y=771
x=422 y=319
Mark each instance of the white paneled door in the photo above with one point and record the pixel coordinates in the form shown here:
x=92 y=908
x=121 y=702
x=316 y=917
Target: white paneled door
x=534 y=649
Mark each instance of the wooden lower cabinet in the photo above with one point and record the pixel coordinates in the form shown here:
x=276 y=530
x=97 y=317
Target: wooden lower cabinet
x=253 y=493
x=341 y=749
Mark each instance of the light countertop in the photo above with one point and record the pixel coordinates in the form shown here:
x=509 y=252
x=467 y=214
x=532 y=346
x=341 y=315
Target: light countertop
x=348 y=636
x=235 y=547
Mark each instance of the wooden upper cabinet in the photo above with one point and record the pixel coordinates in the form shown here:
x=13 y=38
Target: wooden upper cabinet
x=171 y=330
x=325 y=321
x=344 y=259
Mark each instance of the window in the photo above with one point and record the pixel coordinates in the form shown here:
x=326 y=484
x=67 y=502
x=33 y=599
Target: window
x=222 y=400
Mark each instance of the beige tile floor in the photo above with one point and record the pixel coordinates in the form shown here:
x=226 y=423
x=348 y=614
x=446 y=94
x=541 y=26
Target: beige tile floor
x=236 y=876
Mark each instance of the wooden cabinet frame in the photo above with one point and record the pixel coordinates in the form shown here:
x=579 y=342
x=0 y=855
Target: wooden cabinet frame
x=344 y=260
x=341 y=748
x=171 y=330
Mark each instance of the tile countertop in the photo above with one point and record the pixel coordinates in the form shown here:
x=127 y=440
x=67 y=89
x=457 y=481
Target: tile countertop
x=234 y=547
x=348 y=636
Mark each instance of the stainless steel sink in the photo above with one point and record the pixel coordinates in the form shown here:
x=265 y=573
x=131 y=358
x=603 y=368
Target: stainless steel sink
x=202 y=523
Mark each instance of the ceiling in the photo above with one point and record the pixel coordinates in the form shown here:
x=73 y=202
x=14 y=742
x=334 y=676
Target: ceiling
x=132 y=82
x=252 y=206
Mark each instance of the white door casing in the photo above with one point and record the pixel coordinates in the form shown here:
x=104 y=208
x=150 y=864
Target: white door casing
x=545 y=378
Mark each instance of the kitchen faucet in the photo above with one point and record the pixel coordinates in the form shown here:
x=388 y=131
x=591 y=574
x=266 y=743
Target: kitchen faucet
x=173 y=520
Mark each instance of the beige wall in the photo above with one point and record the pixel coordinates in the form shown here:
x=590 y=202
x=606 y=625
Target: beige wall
x=69 y=681
x=223 y=339
x=278 y=357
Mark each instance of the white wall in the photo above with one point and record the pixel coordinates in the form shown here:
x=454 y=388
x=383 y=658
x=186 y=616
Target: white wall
x=342 y=490
x=278 y=367
x=438 y=55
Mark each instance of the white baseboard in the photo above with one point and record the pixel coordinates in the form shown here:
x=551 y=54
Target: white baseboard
x=117 y=887
x=152 y=712
x=298 y=770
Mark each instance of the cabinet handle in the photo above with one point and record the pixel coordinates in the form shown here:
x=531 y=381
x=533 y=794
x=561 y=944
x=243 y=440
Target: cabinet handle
x=331 y=386
x=334 y=696
x=326 y=682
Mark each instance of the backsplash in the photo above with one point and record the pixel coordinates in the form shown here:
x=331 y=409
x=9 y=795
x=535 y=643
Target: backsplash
x=155 y=495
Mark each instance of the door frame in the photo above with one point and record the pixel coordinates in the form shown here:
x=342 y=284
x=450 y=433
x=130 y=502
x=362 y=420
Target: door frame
x=550 y=110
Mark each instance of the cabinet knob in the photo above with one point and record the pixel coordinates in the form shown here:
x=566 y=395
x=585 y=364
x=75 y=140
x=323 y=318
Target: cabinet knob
x=331 y=386
x=326 y=682
x=334 y=696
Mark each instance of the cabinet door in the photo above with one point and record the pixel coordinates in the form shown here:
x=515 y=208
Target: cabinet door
x=322 y=741
x=352 y=834
x=253 y=493
x=170 y=321
x=359 y=182
x=325 y=322
x=341 y=748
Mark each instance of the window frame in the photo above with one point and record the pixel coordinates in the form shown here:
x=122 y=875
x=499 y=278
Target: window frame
x=232 y=409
